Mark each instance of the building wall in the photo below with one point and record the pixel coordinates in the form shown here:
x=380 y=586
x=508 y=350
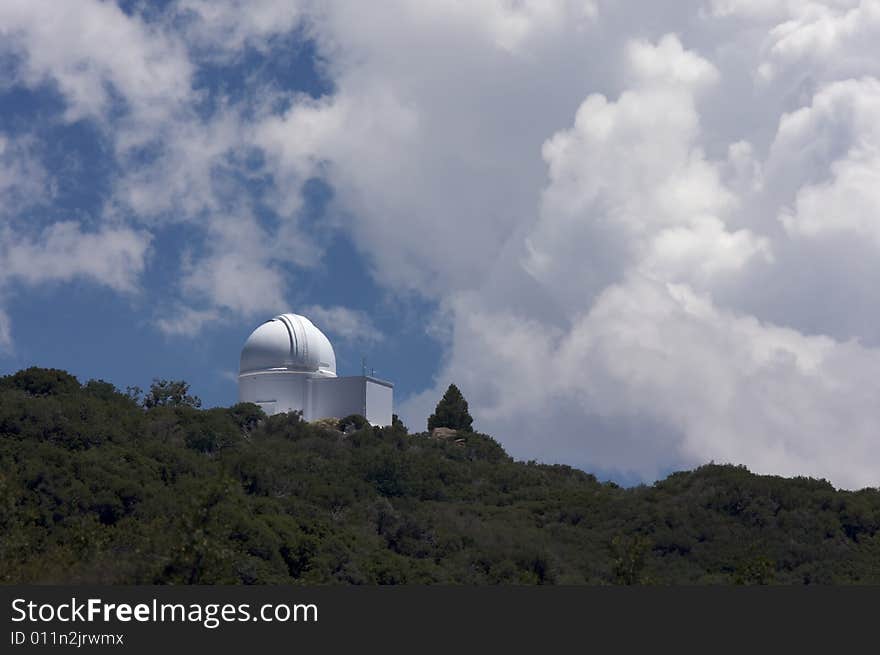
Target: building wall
x=380 y=401
x=336 y=397
x=319 y=397
x=275 y=392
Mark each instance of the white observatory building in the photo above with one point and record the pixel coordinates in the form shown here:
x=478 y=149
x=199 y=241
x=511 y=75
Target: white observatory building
x=288 y=364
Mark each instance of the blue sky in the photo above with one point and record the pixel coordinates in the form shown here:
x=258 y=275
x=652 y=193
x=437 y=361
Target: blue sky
x=93 y=332
x=639 y=238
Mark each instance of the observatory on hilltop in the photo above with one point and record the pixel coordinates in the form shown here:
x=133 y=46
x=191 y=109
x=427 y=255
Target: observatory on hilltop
x=288 y=364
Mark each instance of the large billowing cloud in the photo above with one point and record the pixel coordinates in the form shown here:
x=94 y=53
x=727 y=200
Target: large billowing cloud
x=650 y=229
x=647 y=301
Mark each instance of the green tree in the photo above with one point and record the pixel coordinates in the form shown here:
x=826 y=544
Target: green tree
x=41 y=381
x=628 y=563
x=247 y=415
x=135 y=394
x=353 y=422
x=398 y=425
x=758 y=570
x=170 y=393
x=451 y=412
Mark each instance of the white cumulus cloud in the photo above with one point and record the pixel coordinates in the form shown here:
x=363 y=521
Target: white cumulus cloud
x=649 y=229
x=343 y=322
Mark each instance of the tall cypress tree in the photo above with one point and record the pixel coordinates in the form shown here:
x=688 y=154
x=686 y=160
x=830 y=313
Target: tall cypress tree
x=451 y=412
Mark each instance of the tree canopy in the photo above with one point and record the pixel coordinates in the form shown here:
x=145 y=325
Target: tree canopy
x=170 y=393
x=451 y=412
x=97 y=488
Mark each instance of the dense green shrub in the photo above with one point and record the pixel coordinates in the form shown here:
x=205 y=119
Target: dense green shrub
x=94 y=487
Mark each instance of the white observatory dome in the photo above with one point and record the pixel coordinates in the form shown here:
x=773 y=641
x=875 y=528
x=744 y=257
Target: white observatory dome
x=288 y=342
x=288 y=365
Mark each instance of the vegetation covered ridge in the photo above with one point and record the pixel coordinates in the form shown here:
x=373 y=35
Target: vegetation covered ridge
x=102 y=486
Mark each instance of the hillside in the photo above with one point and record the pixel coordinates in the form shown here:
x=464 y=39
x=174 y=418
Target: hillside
x=94 y=487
